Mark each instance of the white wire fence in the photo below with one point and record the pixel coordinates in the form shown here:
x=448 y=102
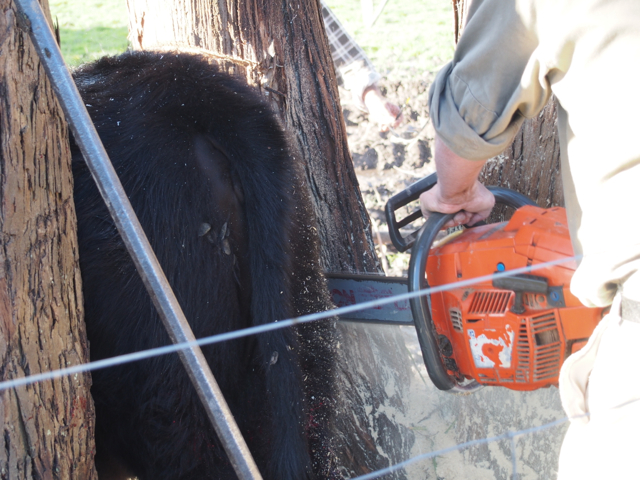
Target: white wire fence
x=512 y=436
x=278 y=324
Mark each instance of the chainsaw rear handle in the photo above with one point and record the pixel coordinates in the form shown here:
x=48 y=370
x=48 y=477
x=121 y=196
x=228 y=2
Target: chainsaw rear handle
x=413 y=192
x=420 y=306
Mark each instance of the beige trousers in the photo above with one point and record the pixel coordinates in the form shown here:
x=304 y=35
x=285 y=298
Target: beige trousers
x=600 y=391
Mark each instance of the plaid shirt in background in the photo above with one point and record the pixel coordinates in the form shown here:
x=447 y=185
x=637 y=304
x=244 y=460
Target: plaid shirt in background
x=351 y=63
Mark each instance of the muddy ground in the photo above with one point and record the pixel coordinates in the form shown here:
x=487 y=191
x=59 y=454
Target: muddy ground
x=387 y=162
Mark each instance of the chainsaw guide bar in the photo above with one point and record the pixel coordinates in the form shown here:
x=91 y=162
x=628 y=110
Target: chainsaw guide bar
x=352 y=289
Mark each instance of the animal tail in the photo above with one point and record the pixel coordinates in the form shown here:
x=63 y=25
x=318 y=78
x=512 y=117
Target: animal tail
x=263 y=175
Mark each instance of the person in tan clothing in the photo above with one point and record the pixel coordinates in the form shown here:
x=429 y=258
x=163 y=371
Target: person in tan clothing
x=512 y=55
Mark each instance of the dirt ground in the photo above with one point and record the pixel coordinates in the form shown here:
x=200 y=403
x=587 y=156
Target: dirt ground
x=387 y=162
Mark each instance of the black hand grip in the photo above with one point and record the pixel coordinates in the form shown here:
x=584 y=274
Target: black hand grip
x=412 y=192
x=421 y=310
x=421 y=307
x=401 y=199
x=521 y=284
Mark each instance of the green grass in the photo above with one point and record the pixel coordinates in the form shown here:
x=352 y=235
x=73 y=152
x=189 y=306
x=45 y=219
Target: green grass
x=415 y=32
x=90 y=29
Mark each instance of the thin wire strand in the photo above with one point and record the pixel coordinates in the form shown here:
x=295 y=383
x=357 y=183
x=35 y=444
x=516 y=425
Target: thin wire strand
x=154 y=352
x=472 y=443
x=146 y=354
x=460 y=446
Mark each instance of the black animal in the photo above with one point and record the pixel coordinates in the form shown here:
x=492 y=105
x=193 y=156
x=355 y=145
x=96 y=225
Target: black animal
x=217 y=187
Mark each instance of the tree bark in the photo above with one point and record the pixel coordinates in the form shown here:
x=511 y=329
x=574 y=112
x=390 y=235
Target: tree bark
x=281 y=48
x=460 y=12
x=47 y=428
x=531 y=164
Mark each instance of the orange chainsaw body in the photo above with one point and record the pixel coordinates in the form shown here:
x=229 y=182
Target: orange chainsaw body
x=505 y=335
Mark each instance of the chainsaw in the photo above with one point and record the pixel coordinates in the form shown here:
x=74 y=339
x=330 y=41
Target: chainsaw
x=513 y=331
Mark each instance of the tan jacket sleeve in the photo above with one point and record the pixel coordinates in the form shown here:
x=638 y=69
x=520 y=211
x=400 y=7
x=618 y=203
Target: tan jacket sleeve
x=512 y=52
x=481 y=98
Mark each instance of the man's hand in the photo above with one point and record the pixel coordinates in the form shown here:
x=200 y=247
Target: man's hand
x=458 y=190
x=469 y=207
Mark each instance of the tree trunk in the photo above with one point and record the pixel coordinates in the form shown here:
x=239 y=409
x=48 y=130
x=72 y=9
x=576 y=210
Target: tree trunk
x=47 y=428
x=281 y=47
x=460 y=12
x=531 y=164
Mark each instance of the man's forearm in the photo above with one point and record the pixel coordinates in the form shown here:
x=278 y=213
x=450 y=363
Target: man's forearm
x=458 y=190
x=456 y=175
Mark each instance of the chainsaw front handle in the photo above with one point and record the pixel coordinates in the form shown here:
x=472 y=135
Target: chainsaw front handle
x=421 y=307
x=413 y=192
x=401 y=199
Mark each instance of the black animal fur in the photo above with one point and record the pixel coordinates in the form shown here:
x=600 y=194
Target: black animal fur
x=217 y=187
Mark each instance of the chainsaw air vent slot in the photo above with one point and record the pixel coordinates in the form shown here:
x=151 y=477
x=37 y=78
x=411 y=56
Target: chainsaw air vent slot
x=548 y=354
x=547 y=337
x=524 y=355
x=486 y=378
x=490 y=301
x=456 y=319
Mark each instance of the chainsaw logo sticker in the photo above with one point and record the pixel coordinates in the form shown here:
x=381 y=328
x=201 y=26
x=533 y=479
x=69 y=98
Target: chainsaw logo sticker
x=487 y=351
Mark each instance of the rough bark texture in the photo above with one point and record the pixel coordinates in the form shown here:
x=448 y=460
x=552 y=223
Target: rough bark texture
x=531 y=164
x=460 y=12
x=47 y=428
x=282 y=48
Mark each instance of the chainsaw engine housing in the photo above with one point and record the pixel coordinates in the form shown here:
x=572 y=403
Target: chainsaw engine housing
x=515 y=331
